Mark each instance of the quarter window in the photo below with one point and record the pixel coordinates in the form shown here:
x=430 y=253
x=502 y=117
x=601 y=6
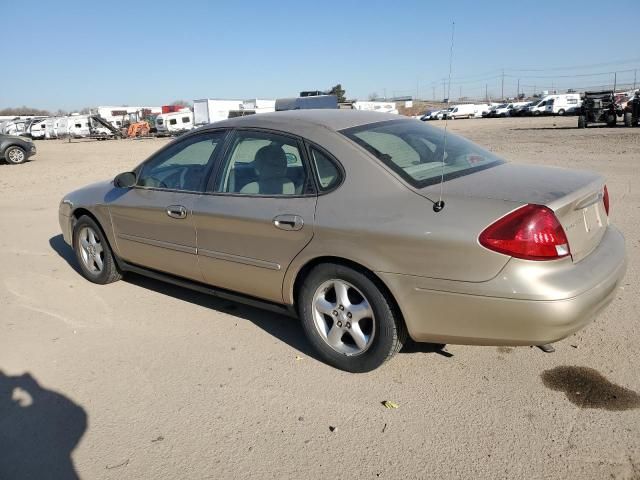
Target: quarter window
x=183 y=165
x=327 y=172
x=263 y=164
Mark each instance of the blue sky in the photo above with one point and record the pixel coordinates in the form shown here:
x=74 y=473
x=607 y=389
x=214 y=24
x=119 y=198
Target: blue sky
x=70 y=54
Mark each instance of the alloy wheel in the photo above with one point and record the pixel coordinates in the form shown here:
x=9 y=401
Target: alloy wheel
x=343 y=317
x=91 y=250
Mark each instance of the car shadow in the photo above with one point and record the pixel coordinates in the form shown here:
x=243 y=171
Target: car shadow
x=59 y=246
x=284 y=328
x=544 y=128
x=39 y=429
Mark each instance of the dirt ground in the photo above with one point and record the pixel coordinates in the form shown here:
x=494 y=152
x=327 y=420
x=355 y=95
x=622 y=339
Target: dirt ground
x=139 y=379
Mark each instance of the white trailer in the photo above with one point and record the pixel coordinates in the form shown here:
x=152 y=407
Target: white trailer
x=38 y=129
x=174 y=122
x=383 y=107
x=209 y=110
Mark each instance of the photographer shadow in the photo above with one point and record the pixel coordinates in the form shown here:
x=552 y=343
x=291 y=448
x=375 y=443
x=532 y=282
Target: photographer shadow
x=39 y=430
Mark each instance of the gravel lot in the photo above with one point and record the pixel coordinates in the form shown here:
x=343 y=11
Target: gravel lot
x=143 y=380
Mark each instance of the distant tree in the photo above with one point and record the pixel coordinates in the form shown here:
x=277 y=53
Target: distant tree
x=85 y=111
x=17 y=111
x=339 y=92
x=181 y=103
x=61 y=113
x=373 y=96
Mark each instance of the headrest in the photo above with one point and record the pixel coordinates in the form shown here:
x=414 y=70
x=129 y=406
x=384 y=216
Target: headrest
x=271 y=162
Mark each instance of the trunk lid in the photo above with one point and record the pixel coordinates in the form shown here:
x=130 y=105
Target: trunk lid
x=576 y=197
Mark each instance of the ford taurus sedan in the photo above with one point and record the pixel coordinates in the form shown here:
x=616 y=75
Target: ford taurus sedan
x=372 y=228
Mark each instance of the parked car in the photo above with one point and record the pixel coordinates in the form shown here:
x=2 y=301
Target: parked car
x=15 y=150
x=521 y=109
x=327 y=214
x=501 y=110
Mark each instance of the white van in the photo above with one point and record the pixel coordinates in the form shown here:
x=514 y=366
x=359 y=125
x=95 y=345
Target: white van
x=482 y=108
x=559 y=104
x=462 y=111
x=540 y=108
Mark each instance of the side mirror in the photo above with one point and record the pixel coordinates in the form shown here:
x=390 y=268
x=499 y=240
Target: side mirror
x=125 y=180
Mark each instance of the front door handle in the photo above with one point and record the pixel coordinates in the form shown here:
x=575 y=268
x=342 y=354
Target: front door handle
x=288 y=222
x=176 y=211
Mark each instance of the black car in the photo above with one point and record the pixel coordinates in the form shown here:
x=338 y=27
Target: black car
x=15 y=150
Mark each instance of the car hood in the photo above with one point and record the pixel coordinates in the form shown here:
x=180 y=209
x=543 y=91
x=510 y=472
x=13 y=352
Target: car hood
x=519 y=183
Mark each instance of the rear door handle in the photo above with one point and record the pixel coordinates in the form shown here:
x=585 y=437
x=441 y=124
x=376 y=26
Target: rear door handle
x=176 y=211
x=288 y=222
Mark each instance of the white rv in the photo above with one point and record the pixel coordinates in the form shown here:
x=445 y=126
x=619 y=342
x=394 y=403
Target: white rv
x=208 y=110
x=174 y=122
x=559 y=104
x=38 y=129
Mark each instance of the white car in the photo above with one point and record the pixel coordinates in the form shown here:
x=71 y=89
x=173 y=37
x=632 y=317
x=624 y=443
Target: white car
x=502 y=110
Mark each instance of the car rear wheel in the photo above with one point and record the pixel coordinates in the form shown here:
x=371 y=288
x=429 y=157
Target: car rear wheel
x=348 y=319
x=561 y=112
x=94 y=255
x=15 y=155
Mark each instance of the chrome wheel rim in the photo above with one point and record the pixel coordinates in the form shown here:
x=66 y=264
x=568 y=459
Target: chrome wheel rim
x=91 y=250
x=343 y=317
x=16 y=155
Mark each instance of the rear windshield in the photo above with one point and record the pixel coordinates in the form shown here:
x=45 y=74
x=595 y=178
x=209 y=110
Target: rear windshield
x=415 y=151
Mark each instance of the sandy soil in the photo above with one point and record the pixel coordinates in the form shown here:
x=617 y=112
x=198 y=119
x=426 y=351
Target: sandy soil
x=143 y=380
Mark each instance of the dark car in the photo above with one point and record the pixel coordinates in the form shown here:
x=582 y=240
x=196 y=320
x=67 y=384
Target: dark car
x=15 y=150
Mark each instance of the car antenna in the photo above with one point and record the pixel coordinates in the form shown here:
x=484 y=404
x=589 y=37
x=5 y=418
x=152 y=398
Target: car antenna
x=439 y=205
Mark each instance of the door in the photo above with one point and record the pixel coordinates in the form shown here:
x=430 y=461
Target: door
x=257 y=215
x=153 y=221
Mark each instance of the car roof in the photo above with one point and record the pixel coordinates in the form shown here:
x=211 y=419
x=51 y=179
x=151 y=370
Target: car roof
x=300 y=121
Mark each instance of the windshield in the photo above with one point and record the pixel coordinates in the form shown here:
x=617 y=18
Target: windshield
x=415 y=150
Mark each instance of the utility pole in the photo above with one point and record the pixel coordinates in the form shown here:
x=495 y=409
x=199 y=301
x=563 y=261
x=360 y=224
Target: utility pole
x=486 y=92
x=615 y=81
x=444 y=90
x=634 y=78
x=518 y=92
x=460 y=96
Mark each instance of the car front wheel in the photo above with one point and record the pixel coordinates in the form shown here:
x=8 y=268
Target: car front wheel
x=348 y=319
x=15 y=155
x=94 y=255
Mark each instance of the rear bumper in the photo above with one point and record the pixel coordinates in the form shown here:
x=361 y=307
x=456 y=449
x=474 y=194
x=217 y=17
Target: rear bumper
x=528 y=303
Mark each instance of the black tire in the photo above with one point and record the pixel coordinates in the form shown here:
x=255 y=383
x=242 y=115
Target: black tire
x=611 y=120
x=390 y=332
x=628 y=121
x=15 y=155
x=582 y=121
x=561 y=112
x=109 y=272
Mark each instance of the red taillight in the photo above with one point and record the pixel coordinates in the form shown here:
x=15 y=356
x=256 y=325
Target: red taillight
x=605 y=199
x=531 y=232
